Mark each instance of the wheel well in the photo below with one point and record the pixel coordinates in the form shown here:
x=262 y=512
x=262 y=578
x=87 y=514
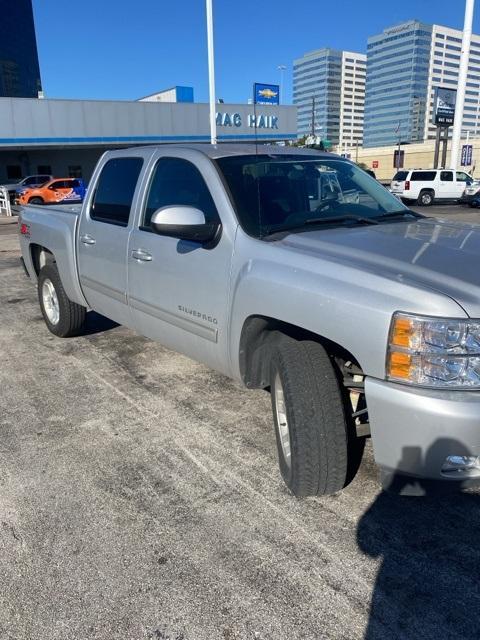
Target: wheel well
x=36 y=198
x=257 y=344
x=40 y=257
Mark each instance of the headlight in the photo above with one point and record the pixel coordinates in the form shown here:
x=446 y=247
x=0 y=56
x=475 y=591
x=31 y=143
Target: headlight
x=434 y=352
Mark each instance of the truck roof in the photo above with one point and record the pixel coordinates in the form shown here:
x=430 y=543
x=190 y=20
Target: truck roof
x=244 y=149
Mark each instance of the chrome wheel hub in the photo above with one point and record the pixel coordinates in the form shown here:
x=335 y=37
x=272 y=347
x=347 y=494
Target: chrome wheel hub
x=282 y=422
x=50 y=301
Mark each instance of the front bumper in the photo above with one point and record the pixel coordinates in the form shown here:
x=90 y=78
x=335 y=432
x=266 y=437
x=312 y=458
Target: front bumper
x=415 y=429
x=467 y=198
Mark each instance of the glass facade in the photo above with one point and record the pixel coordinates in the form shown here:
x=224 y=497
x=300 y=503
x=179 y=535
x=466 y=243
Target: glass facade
x=19 y=69
x=318 y=75
x=396 y=95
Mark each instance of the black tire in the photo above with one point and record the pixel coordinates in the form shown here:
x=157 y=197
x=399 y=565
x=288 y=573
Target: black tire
x=317 y=427
x=71 y=315
x=426 y=198
x=36 y=200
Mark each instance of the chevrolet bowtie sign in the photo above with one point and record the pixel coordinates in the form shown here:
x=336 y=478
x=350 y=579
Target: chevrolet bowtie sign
x=266 y=93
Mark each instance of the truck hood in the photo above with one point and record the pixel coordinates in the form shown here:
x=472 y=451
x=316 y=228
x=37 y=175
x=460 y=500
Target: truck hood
x=430 y=253
x=11 y=187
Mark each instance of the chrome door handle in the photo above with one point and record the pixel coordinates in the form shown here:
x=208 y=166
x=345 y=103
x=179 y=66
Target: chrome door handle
x=86 y=239
x=141 y=255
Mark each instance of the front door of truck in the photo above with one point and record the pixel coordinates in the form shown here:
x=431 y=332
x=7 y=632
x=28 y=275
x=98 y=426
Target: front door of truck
x=102 y=240
x=178 y=290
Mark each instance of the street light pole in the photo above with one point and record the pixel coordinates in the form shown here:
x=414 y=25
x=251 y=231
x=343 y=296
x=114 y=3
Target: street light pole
x=281 y=68
x=462 y=79
x=211 y=73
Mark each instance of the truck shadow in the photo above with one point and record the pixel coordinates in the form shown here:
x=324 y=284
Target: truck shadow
x=96 y=323
x=427 y=585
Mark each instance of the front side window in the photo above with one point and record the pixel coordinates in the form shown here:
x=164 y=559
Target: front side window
x=463 y=177
x=59 y=184
x=115 y=189
x=178 y=182
x=276 y=193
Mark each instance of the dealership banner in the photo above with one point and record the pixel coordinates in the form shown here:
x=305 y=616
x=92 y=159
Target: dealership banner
x=466 y=158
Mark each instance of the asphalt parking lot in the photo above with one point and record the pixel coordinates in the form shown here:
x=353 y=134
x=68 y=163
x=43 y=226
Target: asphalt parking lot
x=140 y=498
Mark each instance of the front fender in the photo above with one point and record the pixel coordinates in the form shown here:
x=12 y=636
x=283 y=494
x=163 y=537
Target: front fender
x=332 y=300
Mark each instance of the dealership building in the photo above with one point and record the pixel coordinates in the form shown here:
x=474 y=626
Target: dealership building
x=66 y=137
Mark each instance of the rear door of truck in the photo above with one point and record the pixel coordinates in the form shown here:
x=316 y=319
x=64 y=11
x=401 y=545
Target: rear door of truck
x=105 y=226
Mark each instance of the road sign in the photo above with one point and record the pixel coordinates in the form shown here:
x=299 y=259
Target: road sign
x=266 y=93
x=466 y=157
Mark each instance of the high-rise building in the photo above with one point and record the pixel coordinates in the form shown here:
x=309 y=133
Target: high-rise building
x=329 y=91
x=19 y=69
x=404 y=65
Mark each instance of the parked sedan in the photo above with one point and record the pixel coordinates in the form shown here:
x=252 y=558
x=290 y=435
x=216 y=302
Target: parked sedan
x=53 y=192
x=28 y=182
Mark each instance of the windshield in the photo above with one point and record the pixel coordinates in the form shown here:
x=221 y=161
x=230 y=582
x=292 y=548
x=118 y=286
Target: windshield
x=275 y=193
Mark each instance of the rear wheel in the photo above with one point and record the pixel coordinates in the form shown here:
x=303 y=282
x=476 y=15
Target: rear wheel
x=426 y=198
x=36 y=200
x=310 y=424
x=63 y=317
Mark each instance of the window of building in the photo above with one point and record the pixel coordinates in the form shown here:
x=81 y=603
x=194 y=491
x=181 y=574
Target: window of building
x=115 y=189
x=178 y=182
x=75 y=171
x=14 y=172
x=452 y=39
x=44 y=168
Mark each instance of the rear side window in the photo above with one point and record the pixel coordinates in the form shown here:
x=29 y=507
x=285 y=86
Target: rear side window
x=178 y=182
x=423 y=176
x=114 y=192
x=446 y=176
x=400 y=176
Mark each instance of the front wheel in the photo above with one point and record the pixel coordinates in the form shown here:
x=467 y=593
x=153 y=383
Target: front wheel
x=63 y=317
x=310 y=424
x=36 y=201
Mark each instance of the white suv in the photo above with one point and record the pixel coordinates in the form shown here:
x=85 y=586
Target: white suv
x=426 y=185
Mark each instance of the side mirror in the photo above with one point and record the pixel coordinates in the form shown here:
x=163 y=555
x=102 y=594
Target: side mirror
x=185 y=223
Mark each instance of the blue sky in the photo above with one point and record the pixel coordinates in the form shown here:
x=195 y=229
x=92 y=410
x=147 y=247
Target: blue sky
x=120 y=49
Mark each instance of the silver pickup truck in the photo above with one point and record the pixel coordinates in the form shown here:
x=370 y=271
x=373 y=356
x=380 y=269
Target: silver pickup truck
x=288 y=270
